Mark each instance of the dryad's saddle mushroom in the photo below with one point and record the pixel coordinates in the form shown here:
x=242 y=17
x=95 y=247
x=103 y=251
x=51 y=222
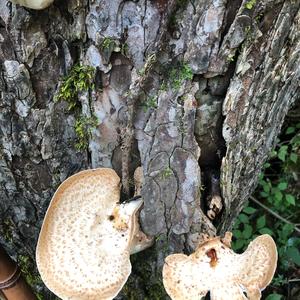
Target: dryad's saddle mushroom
x=87 y=236
x=216 y=268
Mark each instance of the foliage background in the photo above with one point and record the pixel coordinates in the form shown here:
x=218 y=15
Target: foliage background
x=274 y=208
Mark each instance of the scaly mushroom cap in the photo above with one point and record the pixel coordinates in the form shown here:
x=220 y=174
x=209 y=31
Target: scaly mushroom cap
x=84 y=244
x=34 y=4
x=216 y=268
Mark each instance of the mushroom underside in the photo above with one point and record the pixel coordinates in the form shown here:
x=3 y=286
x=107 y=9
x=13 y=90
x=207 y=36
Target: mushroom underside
x=215 y=268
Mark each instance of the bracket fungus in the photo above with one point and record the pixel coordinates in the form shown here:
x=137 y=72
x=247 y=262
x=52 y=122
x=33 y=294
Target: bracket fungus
x=33 y=4
x=216 y=268
x=87 y=237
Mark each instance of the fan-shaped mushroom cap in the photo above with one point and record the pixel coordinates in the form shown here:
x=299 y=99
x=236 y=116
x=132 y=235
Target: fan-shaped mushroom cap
x=34 y=4
x=84 y=244
x=216 y=268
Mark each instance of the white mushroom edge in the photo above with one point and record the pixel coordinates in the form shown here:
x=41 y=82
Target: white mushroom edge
x=215 y=267
x=87 y=237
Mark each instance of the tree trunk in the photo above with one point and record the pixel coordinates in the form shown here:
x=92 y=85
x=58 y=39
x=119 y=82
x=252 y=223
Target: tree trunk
x=190 y=90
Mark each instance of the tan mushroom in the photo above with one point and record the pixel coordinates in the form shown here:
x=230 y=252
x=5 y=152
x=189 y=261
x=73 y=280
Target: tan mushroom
x=216 y=268
x=34 y=4
x=87 y=236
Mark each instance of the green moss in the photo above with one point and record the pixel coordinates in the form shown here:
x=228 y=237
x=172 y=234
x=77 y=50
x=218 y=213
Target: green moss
x=163 y=86
x=148 y=64
x=157 y=291
x=124 y=49
x=7 y=227
x=180 y=74
x=231 y=57
x=31 y=276
x=108 y=43
x=79 y=79
x=83 y=128
x=151 y=102
x=166 y=173
x=176 y=75
x=250 y=4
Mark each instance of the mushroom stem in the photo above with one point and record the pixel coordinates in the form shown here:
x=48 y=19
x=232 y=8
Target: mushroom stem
x=214 y=199
x=12 y=285
x=226 y=240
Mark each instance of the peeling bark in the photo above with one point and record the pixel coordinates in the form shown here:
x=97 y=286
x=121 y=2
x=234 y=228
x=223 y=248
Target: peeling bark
x=182 y=88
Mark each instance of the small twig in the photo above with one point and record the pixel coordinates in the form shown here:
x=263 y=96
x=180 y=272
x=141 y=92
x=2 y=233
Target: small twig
x=275 y=214
x=294 y=280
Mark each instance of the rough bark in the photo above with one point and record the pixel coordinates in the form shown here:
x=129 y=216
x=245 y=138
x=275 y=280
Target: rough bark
x=185 y=88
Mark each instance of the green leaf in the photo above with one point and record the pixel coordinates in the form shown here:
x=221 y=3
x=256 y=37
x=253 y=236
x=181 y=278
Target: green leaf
x=237 y=234
x=293 y=157
x=287 y=229
x=273 y=154
x=283 y=148
x=290 y=130
x=274 y=297
x=279 y=280
x=261 y=222
x=282 y=186
x=264 y=194
x=243 y=218
x=294 y=255
x=271 y=200
x=282 y=152
x=295 y=142
x=239 y=244
x=237 y=223
x=278 y=195
x=290 y=199
x=247 y=232
x=293 y=241
x=266 y=230
x=250 y=4
x=249 y=210
x=265 y=186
